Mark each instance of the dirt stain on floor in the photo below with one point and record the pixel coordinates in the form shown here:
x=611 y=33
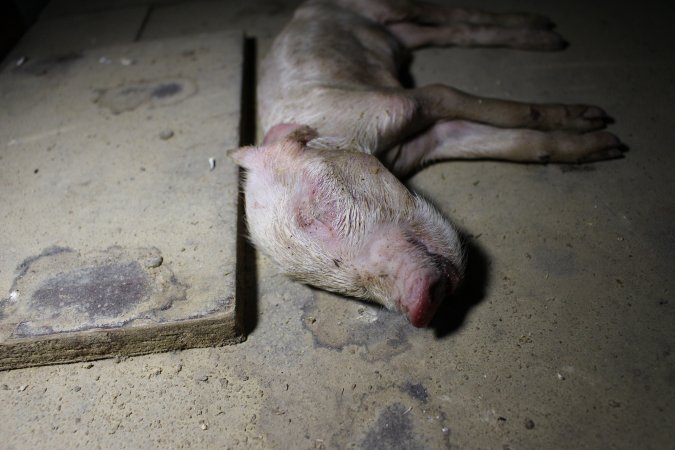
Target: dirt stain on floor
x=153 y=93
x=337 y=323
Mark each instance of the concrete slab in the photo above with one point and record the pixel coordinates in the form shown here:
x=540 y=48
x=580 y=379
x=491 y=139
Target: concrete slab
x=262 y=19
x=118 y=204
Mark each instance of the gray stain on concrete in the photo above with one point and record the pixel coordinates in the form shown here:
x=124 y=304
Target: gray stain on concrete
x=336 y=323
x=61 y=290
x=416 y=391
x=109 y=290
x=393 y=429
x=152 y=93
x=166 y=90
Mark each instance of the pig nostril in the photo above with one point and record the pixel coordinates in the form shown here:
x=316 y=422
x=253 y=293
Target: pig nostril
x=427 y=290
x=427 y=302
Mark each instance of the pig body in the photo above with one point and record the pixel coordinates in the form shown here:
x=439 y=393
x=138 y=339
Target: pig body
x=321 y=196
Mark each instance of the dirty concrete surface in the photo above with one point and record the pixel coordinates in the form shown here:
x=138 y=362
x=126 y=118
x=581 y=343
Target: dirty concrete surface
x=562 y=336
x=111 y=203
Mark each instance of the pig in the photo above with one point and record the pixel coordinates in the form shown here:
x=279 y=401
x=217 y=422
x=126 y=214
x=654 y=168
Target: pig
x=322 y=193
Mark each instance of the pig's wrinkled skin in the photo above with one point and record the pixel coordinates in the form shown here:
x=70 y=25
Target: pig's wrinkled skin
x=318 y=200
x=341 y=221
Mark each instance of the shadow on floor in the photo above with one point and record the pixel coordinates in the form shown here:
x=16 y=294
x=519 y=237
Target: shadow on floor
x=452 y=312
x=247 y=276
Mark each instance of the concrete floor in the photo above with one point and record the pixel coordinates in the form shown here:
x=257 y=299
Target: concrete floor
x=563 y=336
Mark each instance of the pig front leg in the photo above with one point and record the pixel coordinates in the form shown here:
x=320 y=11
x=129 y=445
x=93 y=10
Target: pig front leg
x=456 y=125
x=459 y=139
x=439 y=102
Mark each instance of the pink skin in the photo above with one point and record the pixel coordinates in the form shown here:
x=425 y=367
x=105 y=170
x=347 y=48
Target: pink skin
x=420 y=278
x=427 y=292
x=354 y=227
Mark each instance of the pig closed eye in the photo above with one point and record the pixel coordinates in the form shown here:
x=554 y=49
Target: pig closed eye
x=448 y=270
x=440 y=263
x=411 y=239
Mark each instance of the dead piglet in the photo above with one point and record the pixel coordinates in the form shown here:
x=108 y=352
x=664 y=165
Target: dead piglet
x=340 y=221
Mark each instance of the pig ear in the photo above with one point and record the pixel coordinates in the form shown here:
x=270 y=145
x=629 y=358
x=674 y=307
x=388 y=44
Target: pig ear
x=289 y=132
x=252 y=158
x=244 y=157
x=302 y=134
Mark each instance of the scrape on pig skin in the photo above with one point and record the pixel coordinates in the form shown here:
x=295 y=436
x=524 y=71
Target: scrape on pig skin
x=339 y=220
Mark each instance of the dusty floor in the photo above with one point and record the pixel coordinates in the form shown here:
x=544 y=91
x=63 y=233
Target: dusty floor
x=562 y=338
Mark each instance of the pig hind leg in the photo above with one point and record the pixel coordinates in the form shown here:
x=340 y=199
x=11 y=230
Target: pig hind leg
x=436 y=25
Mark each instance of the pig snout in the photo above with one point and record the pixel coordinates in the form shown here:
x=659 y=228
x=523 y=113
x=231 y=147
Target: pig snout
x=340 y=221
x=401 y=270
x=428 y=290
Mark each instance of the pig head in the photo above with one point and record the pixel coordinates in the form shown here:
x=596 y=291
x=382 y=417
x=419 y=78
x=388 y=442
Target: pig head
x=339 y=220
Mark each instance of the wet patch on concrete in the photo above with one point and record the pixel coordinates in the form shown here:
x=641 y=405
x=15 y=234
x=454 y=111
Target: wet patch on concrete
x=336 y=323
x=100 y=291
x=153 y=93
x=61 y=290
x=406 y=411
x=393 y=429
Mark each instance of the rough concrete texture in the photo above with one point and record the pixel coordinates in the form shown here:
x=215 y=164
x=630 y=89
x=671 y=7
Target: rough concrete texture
x=110 y=206
x=562 y=337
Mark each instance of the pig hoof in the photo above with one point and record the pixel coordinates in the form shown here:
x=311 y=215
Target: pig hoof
x=593 y=113
x=611 y=153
